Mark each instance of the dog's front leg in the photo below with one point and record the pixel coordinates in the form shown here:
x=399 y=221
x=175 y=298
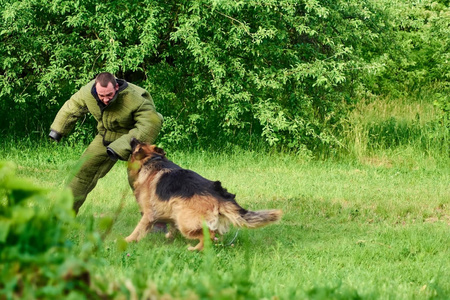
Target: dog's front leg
x=142 y=228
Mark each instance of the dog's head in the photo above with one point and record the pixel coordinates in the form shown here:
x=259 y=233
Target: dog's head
x=143 y=151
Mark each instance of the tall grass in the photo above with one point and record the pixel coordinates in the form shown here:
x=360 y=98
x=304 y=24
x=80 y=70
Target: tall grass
x=390 y=126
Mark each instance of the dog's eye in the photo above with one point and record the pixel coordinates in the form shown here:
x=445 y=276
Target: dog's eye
x=139 y=153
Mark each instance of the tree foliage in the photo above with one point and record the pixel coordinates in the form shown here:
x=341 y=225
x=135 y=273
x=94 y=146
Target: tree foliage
x=419 y=46
x=285 y=72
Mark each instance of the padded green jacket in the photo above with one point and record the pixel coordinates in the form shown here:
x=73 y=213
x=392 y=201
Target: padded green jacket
x=131 y=114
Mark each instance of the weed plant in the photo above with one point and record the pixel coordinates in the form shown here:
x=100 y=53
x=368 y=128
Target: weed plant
x=397 y=125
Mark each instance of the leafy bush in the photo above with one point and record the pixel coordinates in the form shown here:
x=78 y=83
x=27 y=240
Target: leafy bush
x=416 y=54
x=442 y=101
x=220 y=71
x=282 y=72
x=38 y=260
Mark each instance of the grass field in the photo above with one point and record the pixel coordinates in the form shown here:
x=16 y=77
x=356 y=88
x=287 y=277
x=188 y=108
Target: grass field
x=371 y=224
x=377 y=227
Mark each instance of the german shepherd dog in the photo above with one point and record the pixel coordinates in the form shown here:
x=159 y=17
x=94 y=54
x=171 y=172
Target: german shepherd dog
x=184 y=199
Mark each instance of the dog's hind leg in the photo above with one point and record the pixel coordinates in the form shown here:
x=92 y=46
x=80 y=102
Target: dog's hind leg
x=199 y=235
x=192 y=215
x=142 y=228
x=199 y=246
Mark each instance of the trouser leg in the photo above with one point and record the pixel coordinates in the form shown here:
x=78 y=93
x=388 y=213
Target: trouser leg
x=95 y=165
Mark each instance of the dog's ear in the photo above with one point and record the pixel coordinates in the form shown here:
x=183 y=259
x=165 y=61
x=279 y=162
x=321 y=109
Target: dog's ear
x=160 y=151
x=134 y=143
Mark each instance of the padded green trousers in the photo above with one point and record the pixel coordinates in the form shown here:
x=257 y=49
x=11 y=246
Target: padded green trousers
x=95 y=165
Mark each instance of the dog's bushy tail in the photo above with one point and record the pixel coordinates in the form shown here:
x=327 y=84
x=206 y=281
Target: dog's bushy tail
x=240 y=217
x=255 y=219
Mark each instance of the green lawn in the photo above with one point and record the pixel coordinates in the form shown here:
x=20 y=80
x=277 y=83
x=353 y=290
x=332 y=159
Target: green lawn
x=372 y=228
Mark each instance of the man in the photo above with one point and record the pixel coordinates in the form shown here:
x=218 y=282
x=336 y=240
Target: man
x=123 y=111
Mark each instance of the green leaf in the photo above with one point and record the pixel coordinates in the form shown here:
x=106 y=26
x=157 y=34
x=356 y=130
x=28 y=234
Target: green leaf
x=121 y=245
x=105 y=223
x=4 y=229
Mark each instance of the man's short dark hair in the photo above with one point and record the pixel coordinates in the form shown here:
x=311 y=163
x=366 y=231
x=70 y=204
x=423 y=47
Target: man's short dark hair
x=104 y=78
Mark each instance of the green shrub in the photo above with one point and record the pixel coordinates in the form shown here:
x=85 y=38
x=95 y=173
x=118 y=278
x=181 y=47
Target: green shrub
x=442 y=101
x=38 y=261
x=220 y=72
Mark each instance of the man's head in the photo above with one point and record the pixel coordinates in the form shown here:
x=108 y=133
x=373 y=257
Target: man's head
x=106 y=86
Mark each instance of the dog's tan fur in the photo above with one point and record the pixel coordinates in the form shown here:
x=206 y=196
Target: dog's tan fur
x=187 y=214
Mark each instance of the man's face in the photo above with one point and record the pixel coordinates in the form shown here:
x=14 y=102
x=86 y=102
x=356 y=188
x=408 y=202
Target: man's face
x=105 y=94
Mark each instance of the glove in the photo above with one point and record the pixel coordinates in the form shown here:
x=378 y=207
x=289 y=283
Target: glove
x=112 y=154
x=54 y=135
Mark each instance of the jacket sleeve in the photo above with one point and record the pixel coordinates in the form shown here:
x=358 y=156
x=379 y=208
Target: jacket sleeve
x=146 y=129
x=70 y=112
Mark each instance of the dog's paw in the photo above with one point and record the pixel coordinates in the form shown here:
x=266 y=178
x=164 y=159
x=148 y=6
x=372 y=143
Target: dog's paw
x=129 y=239
x=198 y=248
